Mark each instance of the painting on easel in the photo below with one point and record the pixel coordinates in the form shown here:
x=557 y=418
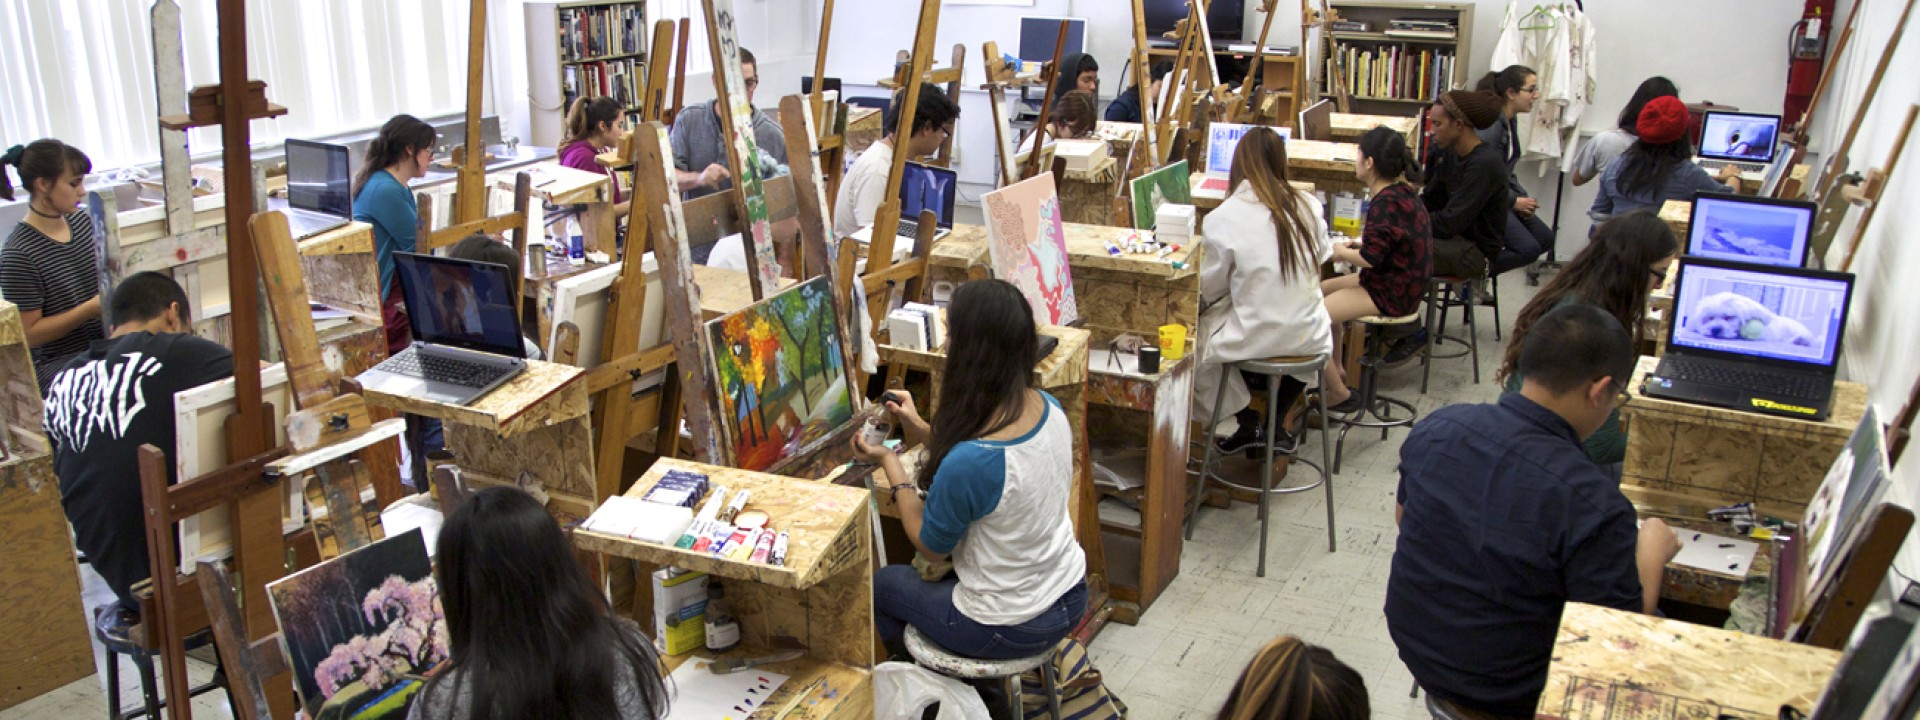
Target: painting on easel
x=1028 y=244
x=781 y=376
x=1170 y=184
x=361 y=630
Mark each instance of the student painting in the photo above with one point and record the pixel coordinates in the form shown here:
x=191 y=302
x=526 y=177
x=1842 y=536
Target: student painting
x=398 y=155
x=1128 y=107
x=529 y=634
x=593 y=127
x=103 y=405
x=1291 y=680
x=1628 y=257
x=1394 y=254
x=865 y=186
x=999 y=479
x=1526 y=237
x=1600 y=150
x=1078 y=71
x=700 y=145
x=1504 y=520
x=1259 y=286
x=49 y=267
x=1659 y=166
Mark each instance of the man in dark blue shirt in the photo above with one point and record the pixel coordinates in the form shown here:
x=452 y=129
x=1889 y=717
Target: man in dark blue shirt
x=1504 y=520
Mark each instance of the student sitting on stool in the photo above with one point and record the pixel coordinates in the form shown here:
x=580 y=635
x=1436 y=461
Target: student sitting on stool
x=1128 y=107
x=1466 y=195
x=1395 y=252
x=1527 y=238
x=864 y=188
x=105 y=404
x=1658 y=167
x=1504 y=520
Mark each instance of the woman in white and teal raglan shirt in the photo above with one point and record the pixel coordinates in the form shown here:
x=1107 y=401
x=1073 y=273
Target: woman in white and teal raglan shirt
x=998 y=480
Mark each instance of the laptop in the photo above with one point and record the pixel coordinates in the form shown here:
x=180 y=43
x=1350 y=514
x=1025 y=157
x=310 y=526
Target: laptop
x=1755 y=338
x=466 y=333
x=319 y=188
x=1222 y=139
x=1744 y=140
x=1316 y=123
x=1755 y=230
x=927 y=187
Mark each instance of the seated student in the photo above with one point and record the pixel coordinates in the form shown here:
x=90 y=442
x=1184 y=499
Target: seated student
x=594 y=127
x=1291 y=680
x=865 y=186
x=1504 y=520
x=999 y=480
x=108 y=401
x=1395 y=253
x=48 y=265
x=1659 y=167
x=1527 y=238
x=529 y=634
x=1627 y=258
x=699 y=145
x=1259 y=286
x=1072 y=118
x=481 y=248
x=1128 y=106
x=1600 y=150
x=1078 y=71
x=1466 y=195
x=399 y=154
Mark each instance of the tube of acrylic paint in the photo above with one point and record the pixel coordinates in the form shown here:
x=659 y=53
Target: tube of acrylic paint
x=763 y=547
x=733 y=508
x=779 y=556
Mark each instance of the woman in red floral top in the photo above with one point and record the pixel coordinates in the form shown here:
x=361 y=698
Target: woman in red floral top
x=1395 y=253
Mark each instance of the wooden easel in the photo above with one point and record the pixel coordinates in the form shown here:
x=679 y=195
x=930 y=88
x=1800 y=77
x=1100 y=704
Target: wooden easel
x=1868 y=192
x=1143 y=83
x=736 y=122
x=1041 y=124
x=886 y=220
x=999 y=80
x=948 y=76
x=1835 y=178
x=1249 y=105
x=470 y=181
x=1798 y=138
x=1324 y=19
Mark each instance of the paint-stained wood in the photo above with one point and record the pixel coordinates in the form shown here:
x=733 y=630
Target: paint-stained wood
x=40 y=608
x=543 y=395
x=560 y=455
x=850 y=687
x=667 y=223
x=287 y=297
x=1348 y=127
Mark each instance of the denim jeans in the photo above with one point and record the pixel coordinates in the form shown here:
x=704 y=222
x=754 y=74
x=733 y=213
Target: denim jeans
x=901 y=598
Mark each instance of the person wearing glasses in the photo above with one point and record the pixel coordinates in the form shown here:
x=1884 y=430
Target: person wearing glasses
x=700 y=147
x=864 y=188
x=1628 y=258
x=1527 y=238
x=1504 y=520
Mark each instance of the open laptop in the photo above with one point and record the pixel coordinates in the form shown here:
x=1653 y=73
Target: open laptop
x=1756 y=230
x=1316 y=123
x=1222 y=139
x=319 y=188
x=466 y=333
x=1755 y=338
x=927 y=187
x=1744 y=140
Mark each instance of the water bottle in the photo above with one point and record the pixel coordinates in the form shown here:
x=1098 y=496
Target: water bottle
x=576 y=245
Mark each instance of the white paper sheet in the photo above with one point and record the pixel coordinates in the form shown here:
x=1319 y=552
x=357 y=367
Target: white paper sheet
x=699 y=694
x=1715 y=553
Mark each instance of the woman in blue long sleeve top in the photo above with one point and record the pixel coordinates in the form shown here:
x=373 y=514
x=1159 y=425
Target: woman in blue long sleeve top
x=381 y=199
x=1659 y=167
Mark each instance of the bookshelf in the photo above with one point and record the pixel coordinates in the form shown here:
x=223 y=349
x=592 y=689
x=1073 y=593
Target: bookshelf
x=1396 y=63
x=577 y=49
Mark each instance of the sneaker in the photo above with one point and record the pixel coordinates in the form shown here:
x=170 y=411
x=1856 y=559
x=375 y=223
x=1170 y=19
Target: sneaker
x=1244 y=438
x=1406 y=348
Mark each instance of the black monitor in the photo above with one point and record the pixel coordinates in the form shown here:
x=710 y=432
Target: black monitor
x=1225 y=18
x=1037 y=35
x=806 y=85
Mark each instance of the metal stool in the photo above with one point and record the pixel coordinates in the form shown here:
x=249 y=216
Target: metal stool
x=931 y=656
x=143 y=663
x=1273 y=369
x=1372 y=403
x=1443 y=294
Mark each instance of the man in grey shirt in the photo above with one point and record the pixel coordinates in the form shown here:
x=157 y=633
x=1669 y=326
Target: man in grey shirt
x=699 y=146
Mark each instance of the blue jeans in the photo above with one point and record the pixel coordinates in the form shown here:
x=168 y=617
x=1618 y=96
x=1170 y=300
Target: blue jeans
x=901 y=598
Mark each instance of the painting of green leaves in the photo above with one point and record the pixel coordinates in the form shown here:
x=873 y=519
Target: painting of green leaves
x=781 y=375
x=1170 y=184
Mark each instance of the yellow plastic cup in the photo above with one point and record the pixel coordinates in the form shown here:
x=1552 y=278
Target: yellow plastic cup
x=1173 y=342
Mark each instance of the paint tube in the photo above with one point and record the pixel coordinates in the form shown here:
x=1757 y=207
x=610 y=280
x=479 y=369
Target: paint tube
x=763 y=546
x=779 y=556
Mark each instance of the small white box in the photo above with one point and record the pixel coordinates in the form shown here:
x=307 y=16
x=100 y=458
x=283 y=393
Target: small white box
x=1081 y=155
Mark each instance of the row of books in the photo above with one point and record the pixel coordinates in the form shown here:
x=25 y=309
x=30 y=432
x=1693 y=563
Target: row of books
x=619 y=79
x=1395 y=71
x=596 y=32
x=1422 y=27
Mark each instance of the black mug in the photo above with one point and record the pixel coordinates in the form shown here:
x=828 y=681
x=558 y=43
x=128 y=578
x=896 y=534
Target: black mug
x=1149 y=360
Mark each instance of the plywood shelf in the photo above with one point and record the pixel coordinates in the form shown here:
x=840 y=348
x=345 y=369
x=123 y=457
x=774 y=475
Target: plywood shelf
x=543 y=395
x=851 y=688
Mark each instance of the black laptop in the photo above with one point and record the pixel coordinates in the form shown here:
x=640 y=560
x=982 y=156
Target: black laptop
x=466 y=333
x=1753 y=337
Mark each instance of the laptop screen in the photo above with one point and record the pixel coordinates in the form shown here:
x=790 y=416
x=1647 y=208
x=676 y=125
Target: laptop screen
x=1739 y=136
x=1223 y=138
x=1758 y=312
x=461 y=303
x=318 y=178
x=929 y=187
x=1743 y=229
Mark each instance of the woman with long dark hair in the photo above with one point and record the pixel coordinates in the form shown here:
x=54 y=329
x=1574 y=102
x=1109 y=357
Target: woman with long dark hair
x=1659 y=167
x=998 y=478
x=1394 y=254
x=1291 y=680
x=593 y=127
x=48 y=265
x=1627 y=258
x=1600 y=150
x=1259 y=286
x=530 y=636
x=1527 y=238
x=400 y=153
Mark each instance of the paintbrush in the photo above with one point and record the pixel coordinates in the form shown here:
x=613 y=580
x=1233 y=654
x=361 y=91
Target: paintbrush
x=800 y=697
x=725 y=666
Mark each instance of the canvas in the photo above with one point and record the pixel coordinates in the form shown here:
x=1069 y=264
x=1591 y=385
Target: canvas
x=758 y=225
x=1170 y=184
x=361 y=630
x=1028 y=244
x=780 y=374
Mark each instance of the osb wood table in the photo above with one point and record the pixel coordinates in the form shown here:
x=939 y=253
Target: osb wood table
x=1677 y=213
x=1328 y=165
x=1719 y=456
x=822 y=596
x=535 y=423
x=1611 y=664
x=1348 y=127
x=1687 y=584
x=1130 y=409
x=1086 y=196
x=1205 y=204
x=1116 y=294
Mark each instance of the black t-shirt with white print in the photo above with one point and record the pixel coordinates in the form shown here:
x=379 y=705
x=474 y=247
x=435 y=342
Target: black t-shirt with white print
x=105 y=404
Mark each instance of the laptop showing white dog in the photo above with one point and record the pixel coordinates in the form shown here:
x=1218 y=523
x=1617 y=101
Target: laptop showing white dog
x=1752 y=337
x=1750 y=229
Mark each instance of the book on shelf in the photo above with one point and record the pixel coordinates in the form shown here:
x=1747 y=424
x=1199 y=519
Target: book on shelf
x=1393 y=72
x=1350 y=26
x=590 y=33
x=618 y=79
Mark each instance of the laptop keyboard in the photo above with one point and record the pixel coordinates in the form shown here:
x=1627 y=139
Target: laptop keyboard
x=908 y=228
x=441 y=369
x=1716 y=165
x=1747 y=377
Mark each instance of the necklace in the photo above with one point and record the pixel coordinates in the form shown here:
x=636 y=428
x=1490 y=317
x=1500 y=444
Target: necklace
x=36 y=211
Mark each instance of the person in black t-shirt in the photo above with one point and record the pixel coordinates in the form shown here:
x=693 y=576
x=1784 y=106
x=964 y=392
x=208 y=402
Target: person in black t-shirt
x=1466 y=196
x=110 y=400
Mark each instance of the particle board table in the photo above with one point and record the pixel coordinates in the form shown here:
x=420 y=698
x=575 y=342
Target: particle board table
x=1130 y=409
x=1206 y=204
x=1348 y=127
x=1116 y=294
x=1614 y=664
x=1328 y=165
x=1086 y=196
x=863 y=130
x=1693 y=585
x=822 y=596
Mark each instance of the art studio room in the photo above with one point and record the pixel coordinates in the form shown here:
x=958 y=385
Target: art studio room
x=1194 y=359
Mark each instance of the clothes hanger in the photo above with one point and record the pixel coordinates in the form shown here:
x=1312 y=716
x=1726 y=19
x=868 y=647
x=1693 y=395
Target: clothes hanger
x=1537 y=10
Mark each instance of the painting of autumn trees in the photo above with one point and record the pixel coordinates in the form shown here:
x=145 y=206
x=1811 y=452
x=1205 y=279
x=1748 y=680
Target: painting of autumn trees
x=781 y=375
x=361 y=630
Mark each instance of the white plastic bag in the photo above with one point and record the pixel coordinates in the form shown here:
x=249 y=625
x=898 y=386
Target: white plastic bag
x=901 y=691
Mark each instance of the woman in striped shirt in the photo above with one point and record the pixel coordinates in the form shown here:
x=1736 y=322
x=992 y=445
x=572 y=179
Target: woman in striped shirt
x=49 y=267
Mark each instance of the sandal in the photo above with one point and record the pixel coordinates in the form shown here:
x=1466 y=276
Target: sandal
x=1351 y=405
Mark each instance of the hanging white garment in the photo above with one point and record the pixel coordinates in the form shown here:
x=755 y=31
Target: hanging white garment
x=901 y=691
x=1558 y=43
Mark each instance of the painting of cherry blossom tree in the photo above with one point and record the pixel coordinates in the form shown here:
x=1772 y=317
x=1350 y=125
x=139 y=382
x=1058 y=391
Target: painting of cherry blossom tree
x=781 y=376
x=361 y=630
x=1028 y=245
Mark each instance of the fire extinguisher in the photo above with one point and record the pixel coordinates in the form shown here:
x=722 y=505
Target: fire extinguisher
x=1806 y=48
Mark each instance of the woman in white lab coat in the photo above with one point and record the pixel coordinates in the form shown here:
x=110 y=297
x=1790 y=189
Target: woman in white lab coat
x=1259 y=286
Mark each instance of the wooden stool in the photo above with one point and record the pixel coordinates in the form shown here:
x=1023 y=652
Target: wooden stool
x=1443 y=294
x=931 y=656
x=1372 y=403
x=1274 y=369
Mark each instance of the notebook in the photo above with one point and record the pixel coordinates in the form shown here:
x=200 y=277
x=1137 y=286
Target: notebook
x=319 y=188
x=926 y=187
x=1222 y=140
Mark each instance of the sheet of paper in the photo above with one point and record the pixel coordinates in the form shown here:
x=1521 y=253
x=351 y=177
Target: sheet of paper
x=403 y=516
x=641 y=520
x=1715 y=553
x=699 y=694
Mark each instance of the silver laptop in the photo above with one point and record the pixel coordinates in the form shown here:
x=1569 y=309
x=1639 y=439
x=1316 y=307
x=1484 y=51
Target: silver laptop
x=466 y=331
x=922 y=186
x=1744 y=140
x=319 y=188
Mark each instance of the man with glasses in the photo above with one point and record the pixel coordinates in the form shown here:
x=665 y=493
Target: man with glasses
x=864 y=188
x=1504 y=520
x=700 y=149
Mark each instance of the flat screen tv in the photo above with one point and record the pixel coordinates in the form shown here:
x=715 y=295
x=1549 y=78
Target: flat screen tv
x=1224 y=17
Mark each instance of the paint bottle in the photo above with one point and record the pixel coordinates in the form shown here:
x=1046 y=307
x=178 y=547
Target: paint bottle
x=876 y=431
x=723 y=631
x=576 y=244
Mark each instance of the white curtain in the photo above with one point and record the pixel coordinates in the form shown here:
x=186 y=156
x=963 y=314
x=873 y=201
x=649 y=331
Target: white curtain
x=83 y=70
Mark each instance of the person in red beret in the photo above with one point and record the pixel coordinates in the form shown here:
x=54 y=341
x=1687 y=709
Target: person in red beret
x=1659 y=167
